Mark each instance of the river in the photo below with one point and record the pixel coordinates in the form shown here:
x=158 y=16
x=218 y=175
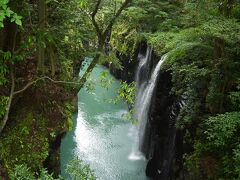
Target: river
x=101 y=137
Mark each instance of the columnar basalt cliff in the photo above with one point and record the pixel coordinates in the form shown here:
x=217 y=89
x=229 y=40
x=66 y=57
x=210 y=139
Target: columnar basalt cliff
x=159 y=139
x=165 y=144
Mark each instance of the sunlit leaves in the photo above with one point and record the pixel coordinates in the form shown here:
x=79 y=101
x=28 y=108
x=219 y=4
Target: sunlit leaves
x=21 y=172
x=136 y=13
x=17 y=19
x=68 y=110
x=6 y=12
x=78 y=170
x=222 y=128
x=126 y=92
x=105 y=80
x=124 y=38
x=83 y=3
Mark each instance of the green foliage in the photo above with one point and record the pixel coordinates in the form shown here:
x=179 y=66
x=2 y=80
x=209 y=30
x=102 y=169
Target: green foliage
x=3 y=104
x=221 y=144
x=186 y=52
x=90 y=85
x=78 y=170
x=5 y=57
x=126 y=92
x=69 y=109
x=21 y=172
x=44 y=175
x=235 y=97
x=105 y=80
x=17 y=19
x=141 y=18
x=236 y=160
x=130 y=116
x=203 y=57
x=66 y=69
x=111 y=59
x=226 y=29
x=124 y=38
x=236 y=11
x=191 y=56
x=201 y=39
x=6 y=12
x=25 y=142
x=222 y=129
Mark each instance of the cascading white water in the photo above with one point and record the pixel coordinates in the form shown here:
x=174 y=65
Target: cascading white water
x=146 y=85
x=141 y=79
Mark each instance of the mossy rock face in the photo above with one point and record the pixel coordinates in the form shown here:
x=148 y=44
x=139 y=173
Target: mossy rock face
x=25 y=141
x=187 y=54
x=33 y=138
x=37 y=120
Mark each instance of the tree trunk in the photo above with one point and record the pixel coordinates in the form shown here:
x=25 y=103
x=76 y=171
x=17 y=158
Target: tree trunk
x=52 y=60
x=5 y=118
x=94 y=62
x=226 y=7
x=42 y=22
x=103 y=37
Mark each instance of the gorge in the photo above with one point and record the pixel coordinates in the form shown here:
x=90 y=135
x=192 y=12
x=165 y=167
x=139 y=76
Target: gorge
x=182 y=58
x=101 y=136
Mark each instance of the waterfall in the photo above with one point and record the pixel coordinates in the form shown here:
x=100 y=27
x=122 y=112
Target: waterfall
x=146 y=83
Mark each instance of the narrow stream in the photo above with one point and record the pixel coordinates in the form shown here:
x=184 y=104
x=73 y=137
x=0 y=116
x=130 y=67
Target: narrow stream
x=102 y=138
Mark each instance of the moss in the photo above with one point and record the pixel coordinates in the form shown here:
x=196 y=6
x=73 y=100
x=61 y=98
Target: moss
x=33 y=133
x=69 y=110
x=187 y=53
x=25 y=141
x=3 y=104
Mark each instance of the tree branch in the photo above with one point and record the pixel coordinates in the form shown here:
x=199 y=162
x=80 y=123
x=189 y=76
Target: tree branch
x=89 y=16
x=5 y=118
x=13 y=93
x=89 y=70
x=26 y=87
x=61 y=82
x=43 y=78
x=118 y=13
x=101 y=37
x=95 y=24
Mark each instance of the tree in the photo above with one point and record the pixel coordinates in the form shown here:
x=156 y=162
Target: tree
x=42 y=19
x=76 y=169
x=103 y=35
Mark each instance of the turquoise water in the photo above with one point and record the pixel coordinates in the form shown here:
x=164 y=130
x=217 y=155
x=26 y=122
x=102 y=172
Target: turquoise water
x=101 y=136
